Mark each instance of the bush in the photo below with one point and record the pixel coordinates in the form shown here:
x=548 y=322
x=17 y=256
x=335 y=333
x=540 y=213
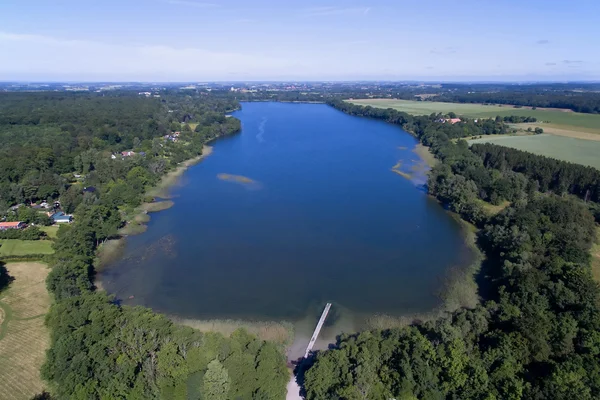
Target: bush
x=31 y=233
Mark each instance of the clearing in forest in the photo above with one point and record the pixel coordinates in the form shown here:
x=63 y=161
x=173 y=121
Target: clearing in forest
x=23 y=336
x=579 y=151
x=548 y=118
x=51 y=231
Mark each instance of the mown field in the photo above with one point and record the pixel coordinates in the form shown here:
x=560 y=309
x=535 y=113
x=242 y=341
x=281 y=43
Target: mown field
x=23 y=336
x=551 y=118
x=16 y=247
x=51 y=231
x=579 y=151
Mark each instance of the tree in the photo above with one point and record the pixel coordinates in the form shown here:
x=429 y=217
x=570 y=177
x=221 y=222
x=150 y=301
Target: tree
x=216 y=381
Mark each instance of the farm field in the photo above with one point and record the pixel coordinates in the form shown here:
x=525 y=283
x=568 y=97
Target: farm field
x=23 y=336
x=554 y=118
x=574 y=150
x=16 y=247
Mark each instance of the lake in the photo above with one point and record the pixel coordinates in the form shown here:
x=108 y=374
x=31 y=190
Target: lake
x=300 y=208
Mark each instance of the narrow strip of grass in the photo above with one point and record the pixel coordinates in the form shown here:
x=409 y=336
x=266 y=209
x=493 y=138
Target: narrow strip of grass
x=596 y=257
x=17 y=247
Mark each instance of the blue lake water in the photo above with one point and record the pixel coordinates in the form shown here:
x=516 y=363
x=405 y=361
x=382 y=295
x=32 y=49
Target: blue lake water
x=323 y=219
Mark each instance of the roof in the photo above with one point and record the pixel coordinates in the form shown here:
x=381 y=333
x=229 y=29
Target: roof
x=10 y=224
x=62 y=217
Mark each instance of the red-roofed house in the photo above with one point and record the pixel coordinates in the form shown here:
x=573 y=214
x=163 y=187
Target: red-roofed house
x=12 y=225
x=453 y=120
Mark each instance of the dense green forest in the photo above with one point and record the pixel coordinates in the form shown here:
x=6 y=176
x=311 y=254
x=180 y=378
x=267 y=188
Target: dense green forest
x=54 y=146
x=535 y=334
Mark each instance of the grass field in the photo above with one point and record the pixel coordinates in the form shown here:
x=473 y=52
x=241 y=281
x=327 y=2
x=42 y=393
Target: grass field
x=559 y=120
x=23 y=336
x=51 y=231
x=16 y=247
x=585 y=152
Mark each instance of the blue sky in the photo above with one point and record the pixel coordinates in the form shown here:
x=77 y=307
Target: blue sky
x=189 y=40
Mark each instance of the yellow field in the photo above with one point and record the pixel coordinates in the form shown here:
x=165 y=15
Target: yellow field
x=23 y=336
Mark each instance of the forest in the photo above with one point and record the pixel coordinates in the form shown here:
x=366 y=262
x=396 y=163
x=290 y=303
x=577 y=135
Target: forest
x=54 y=146
x=535 y=334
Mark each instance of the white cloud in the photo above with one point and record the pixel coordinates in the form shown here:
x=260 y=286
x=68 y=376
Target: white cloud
x=43 y=56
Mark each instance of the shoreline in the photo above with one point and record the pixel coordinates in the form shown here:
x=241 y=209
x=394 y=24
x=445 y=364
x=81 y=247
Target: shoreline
x=424 y=152
x=136 y=222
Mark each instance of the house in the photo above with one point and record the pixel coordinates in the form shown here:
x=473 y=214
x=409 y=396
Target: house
x=61 y=218
x=89 y=189
x=114 y=157
x=40 y=206
x=451 y=120
x=12 y=225
x=127 y=153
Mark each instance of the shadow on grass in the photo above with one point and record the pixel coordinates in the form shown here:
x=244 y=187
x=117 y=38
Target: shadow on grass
x=5 y=278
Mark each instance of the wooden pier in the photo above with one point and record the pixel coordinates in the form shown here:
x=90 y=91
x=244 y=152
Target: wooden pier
x=315 y=335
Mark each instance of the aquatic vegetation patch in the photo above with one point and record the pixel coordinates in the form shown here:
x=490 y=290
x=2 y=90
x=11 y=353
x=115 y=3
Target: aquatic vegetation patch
x=240 y=179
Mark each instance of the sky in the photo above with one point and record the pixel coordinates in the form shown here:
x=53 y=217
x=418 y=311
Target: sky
x=241 y=40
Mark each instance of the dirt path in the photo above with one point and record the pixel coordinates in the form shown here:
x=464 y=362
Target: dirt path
x=293 y=390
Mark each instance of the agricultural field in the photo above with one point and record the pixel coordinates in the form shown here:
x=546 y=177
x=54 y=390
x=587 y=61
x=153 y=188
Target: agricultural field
x=574 y=150
x=23 y=336
x=560 y=121
x=17 y=247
